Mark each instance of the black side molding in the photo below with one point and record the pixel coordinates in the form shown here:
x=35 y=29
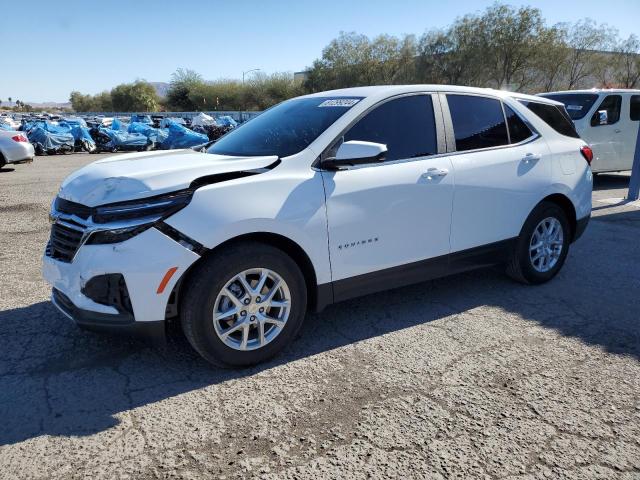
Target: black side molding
x=181 y=238
x=422 y=271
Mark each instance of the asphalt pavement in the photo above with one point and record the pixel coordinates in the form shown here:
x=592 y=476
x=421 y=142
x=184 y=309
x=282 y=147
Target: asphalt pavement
x=472 y=376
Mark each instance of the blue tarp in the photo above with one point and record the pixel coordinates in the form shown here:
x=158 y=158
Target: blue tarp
x=50 y=137
x=118 y=125
x=182 y=137
x=155 y=135
x=72 y=122
x=124 y=139
x=83 y=138
x=141 y=119
x=226 y=121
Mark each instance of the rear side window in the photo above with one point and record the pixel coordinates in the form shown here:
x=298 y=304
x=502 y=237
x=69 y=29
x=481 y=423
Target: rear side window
x=405 y=125
x=635 y=107
x=478 y=122
x=612 y=104
x=553 y=115
x=577 y=104
x=518 y=130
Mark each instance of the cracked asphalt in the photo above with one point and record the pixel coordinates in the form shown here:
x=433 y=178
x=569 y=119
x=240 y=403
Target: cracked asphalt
x=472 y=376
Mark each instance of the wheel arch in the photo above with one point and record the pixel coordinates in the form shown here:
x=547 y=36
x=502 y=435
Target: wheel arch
x=567 y=206
x=286 y=245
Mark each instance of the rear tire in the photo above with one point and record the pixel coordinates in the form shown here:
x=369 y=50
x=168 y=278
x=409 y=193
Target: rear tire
x=542 y=246
x=208 y=287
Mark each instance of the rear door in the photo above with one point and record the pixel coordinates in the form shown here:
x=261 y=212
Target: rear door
x=631 y=135
x=500 y=171
x=396 y=212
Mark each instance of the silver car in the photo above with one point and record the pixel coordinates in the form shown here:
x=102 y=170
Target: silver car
x=15 y=148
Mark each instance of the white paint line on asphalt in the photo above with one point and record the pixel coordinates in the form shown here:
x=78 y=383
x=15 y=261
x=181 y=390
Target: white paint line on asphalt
x=619 y=201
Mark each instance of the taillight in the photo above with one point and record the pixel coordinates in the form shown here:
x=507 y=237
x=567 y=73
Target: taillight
x=587 y=153
x=19 y=138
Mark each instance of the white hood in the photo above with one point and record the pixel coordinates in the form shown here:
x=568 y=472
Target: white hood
x=138 y=175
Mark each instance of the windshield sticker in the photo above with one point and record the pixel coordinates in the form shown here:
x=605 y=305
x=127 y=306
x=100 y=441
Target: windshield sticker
x=340 y=102
x=574 y=107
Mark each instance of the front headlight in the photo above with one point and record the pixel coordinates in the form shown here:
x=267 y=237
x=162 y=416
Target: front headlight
x=117 y=222
x=153 y=208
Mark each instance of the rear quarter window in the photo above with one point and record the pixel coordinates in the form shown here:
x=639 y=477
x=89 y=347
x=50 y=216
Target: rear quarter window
x=553 y=115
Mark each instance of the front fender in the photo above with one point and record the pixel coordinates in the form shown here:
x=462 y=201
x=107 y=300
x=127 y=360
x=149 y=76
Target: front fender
x=287 y=203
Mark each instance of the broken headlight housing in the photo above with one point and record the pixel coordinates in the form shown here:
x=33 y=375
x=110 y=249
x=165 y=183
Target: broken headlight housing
x=117 y=222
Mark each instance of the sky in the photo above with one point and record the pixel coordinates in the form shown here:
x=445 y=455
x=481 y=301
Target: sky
x=51 y=48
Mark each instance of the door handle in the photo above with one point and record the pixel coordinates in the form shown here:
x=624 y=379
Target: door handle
x=530 y=157
x=435 y=173
x=617 y=130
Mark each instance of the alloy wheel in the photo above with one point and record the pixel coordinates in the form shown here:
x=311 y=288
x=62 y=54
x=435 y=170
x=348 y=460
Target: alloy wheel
x=252 y=309
x=545 y=246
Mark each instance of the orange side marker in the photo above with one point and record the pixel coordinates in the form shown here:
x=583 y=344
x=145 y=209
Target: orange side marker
x=165 y=279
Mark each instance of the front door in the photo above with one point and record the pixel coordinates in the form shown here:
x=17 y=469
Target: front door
x=606 y=139
x=394 y=213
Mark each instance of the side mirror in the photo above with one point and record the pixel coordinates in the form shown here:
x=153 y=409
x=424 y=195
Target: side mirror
x=603 y=117
x=356 y=152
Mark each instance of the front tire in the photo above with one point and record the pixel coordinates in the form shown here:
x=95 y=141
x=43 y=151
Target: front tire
x=542 y=246
x=243 y=305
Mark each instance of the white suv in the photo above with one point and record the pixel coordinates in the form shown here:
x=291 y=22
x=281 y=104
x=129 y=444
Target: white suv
x=319 y=199
x=608 y=120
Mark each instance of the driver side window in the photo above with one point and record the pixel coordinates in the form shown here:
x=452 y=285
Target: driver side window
x=405 y=125
x=612 y=104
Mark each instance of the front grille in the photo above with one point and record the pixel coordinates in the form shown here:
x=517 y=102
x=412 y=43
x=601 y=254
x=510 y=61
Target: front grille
x=64 y=242
x=71 y=208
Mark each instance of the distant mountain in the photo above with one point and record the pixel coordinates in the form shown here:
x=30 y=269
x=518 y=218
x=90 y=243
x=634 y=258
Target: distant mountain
x=161 y=88
x=51 y=105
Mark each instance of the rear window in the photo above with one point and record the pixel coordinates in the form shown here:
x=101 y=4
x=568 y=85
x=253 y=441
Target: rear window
x=635 y=107
x=577 y=104
x=553 y=115
x=478 y=122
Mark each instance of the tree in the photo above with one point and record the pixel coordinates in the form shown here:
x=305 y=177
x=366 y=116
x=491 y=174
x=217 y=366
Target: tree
x=627 y=73
x=353 y=59
x=511 y=40
x=183 y=83
x=550 y=62
x=451 y=56
x=586 y=40
x=138 y=96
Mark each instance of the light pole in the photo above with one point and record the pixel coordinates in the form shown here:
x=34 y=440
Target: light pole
x=243 y=74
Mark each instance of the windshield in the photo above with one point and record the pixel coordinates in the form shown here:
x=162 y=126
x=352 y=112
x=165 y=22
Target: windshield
x=577 y=104
x=286 y=129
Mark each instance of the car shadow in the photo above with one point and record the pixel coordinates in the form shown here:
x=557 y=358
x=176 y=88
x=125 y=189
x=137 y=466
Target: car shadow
x=604 y=181
x=60 y=381
x=7 y=169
